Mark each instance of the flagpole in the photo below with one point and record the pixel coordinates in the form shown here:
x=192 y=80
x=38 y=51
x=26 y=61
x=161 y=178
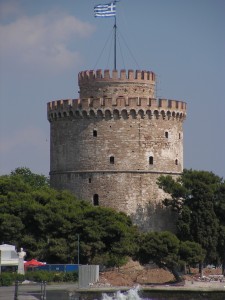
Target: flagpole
x=108 y=10
x=115 y=27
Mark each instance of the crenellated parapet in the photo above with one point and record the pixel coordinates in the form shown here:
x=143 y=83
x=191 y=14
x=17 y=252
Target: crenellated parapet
x=106 y=83
x=114 y=75
x=117 y=108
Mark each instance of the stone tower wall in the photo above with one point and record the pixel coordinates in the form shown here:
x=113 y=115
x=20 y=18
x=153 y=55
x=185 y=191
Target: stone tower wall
x=115 y=141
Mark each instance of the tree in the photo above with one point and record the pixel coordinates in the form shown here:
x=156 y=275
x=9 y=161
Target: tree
x=195 y=196
x=220 y=213
x=34 y=180
x=191 y=254
x=168 y=252
x=109 y=234
x=163 y=249
x=10 y=228
x=46 y=223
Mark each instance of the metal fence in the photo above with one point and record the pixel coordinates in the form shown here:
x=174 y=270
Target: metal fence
x=59 y=267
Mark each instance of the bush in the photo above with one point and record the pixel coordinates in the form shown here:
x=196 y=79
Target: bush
x=50 y=276
x=18 y=277
x=6 y=279
x=70 y=277
x=39 y=276
x=58 y=277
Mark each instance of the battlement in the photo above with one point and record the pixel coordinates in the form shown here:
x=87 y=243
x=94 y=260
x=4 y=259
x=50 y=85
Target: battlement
x=106 y=83
x=115 y=75
x=116 y=108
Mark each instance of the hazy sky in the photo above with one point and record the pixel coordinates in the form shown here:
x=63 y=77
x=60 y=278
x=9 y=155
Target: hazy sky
x=45 y=43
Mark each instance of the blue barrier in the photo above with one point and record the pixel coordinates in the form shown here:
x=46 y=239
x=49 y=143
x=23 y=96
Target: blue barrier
x=58 y=267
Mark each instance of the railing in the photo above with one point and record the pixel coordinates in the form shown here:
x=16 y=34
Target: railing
x=18 y=293
x=209 y=278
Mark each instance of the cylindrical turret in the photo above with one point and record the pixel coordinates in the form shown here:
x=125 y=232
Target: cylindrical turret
x=103 y=84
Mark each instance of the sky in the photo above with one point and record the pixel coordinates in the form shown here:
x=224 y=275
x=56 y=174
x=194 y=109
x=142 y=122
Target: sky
x=45 y=43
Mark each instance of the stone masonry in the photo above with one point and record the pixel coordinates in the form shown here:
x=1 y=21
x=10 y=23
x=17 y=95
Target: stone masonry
x=109 y=146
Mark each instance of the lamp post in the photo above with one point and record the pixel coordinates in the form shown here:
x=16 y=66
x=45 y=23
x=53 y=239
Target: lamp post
x=78 y=249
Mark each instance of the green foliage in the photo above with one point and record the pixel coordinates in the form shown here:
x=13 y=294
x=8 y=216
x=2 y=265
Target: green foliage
x=191 y=253
x=38 y=276
x=106 y=232
x=199 y=199
x=6 y=279
x=70 y=276
x=162 y=248
x=46 y=223
x=34 y=180
x=168 y=252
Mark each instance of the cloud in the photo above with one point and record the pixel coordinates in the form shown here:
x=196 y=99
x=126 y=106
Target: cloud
x=43 y=41
x=11 y=8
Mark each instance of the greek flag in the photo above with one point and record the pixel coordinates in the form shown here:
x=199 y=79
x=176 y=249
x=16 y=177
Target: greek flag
x=105 y=10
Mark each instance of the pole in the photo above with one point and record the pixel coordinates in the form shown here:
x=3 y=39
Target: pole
x=78 y=249
x=42 y=290
x=16 y=290
x=115 y=27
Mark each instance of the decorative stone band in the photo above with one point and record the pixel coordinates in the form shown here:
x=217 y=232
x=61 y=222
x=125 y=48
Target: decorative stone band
x=85 y=77
x=120 y=108
x=114 y=172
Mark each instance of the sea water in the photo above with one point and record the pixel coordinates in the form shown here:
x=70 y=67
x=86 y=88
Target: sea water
x=131 y=294
x=135 y=294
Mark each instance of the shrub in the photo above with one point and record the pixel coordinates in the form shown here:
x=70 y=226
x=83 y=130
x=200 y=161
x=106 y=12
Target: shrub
x=39 y=276
x=6 y=279
x=58 y=277
x=70 y=276
x=19 y=277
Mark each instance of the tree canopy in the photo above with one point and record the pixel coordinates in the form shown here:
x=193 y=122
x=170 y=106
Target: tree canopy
x=46 y=223
x=199 y=199
x=168 y=252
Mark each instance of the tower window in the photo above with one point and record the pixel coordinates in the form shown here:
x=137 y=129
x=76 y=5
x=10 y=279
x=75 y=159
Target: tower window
x=176 y=161
x=89 y=179
x=95 y=133
x=151 y=160
x=166 y=134
x=95 y=200
x=179 y=136
x=112 y=160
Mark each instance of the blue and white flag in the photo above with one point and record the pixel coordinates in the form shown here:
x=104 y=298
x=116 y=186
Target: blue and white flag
x=105 y=10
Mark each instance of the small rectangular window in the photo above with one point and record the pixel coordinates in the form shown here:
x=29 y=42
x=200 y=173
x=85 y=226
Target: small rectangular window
x=167 y=134
x=95 y=133
x=151 y=160
x=111 y=159
x=89 y=180
x=96 y=200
